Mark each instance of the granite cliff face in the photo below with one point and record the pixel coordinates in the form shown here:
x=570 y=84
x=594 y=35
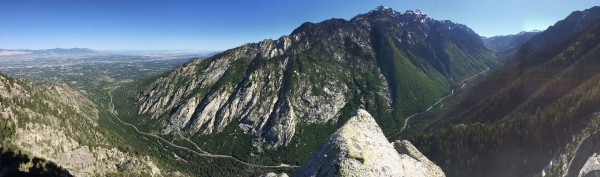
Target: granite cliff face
x=359 y=148
x=394 y=64
x=578 y=158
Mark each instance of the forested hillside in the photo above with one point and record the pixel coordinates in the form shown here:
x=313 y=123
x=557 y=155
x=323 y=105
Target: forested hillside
x=515 y=122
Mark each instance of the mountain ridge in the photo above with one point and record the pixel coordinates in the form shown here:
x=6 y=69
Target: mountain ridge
x=271 y=70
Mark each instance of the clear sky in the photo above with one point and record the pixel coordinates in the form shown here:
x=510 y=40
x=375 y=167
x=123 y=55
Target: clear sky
x=222 y=24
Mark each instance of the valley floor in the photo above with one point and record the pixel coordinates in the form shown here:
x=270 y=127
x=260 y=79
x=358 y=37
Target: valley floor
x=198 y=151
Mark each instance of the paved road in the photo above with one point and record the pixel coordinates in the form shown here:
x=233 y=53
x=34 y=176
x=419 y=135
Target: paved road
x=440 y=100
x=202 y=153
x=190 y=141
x=411 y=116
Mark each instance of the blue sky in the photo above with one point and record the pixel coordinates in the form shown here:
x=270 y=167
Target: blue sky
x=222 y=24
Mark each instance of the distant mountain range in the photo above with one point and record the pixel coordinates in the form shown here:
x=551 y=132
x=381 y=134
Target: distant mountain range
x=86 y=51
x=47 y=51
x=508 y=45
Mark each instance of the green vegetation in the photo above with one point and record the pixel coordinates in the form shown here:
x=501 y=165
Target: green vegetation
x=187 y=161
x=391 y=80
x=522 y=114
x=418 y=74
x=50 y=110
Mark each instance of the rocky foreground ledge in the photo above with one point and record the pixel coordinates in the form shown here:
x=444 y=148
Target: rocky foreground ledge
x=359 y=148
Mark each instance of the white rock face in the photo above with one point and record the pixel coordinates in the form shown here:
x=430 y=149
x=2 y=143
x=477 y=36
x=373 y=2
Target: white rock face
x=252 y=103
x=360 y=148
x=80 y=160
x=591 y=167
x=274 y=175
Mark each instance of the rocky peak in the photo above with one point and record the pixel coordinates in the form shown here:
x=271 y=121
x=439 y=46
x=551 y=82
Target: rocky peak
x=416 y=15
x=383 y=8
x=271 y=48
x=414 y=12
x=359 y=148
x=389 y=10
x=389 y=13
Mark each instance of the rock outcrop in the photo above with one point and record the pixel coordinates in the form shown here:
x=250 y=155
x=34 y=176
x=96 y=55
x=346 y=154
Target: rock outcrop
x=359 y=148
x=580 y=157
x=591 y=167
x=415 y=163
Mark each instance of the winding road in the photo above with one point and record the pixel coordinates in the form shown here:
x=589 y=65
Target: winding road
x=190 y=141
x=440 y=100
x=201 y=153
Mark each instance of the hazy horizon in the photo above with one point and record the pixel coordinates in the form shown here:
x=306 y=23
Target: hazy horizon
x=121 y=50
x=218 y=26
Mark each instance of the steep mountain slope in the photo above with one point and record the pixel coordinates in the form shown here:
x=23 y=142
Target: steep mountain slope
x=529 y=111
x=359 y=148
x=563 y=29
x=57 y=123
x=296 y=90
x=508 y=45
